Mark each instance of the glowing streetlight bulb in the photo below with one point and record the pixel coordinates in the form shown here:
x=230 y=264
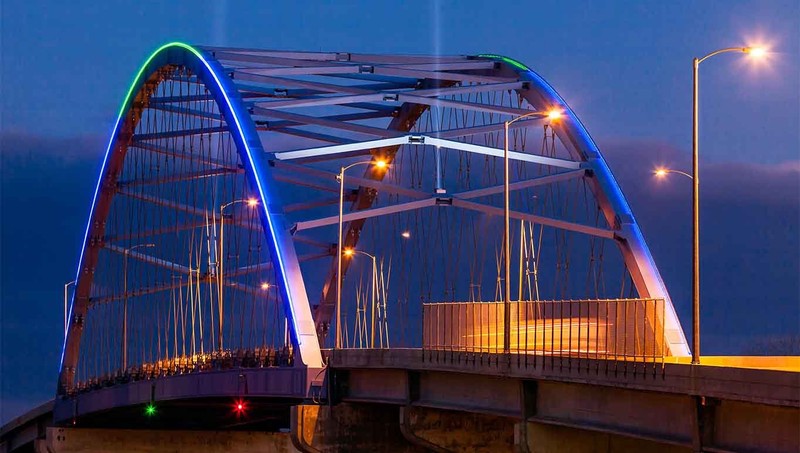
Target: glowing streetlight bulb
x=380 y=164
x=406 y=234
x=349 y=252
x=756 y=52
x=660 y=172
x=252 y=202
x=554 y=115
x=265 y=286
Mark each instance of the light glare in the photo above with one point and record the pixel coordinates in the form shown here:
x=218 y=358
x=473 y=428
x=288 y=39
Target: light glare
x=380 y=163
x=554 y=114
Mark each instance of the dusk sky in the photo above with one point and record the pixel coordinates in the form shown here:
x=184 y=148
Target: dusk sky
x=623 y=66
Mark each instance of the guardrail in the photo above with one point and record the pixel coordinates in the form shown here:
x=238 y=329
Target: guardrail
x=621 y=330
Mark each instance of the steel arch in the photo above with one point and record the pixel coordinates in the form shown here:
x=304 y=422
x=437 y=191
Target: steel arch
x=227 y=90
x=637 y=255
x=252 y=154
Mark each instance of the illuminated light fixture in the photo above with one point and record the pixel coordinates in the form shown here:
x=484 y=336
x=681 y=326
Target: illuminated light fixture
x=150 y=410
x=756 y=52
x=349 y=252
x=660 y=172
x=554 y=114
x=240 y=407
x=406 y=234
x=380 y=163
x=265 y=285
x=252 y=202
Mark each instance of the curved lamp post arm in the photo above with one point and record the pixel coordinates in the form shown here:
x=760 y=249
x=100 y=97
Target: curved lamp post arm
x=727 y=49
x=665 y=171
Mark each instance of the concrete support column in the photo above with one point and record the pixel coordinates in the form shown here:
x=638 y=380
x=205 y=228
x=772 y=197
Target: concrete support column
x=348 y=427
x=443 y=431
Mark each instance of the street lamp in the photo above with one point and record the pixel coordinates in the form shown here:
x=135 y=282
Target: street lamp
x=349 y=253
x=663 y=172
x=754 y=52
x=66 y=294
x=125 y=301
x=380 y=163
x=553 y=114
x=220 y=259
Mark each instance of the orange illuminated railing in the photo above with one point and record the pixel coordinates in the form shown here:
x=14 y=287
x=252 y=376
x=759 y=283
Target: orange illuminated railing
x=609 y=329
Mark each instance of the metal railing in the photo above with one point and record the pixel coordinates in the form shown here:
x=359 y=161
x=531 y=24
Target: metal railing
x=628 y=331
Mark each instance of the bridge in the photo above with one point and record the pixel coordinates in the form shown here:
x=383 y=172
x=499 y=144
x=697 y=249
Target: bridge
x=331 y=251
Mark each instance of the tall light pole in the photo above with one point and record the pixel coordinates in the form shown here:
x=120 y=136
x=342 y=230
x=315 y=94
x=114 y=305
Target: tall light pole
x=221 y=260
x=125 y=301
x=351 y=252
x=340 y=177
x=553 y=115
x=66 y=296
x=756 y=52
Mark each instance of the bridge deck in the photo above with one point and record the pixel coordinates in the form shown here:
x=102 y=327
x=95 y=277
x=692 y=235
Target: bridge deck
x=766 y=380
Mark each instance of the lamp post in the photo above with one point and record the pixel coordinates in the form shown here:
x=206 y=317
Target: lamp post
x=351 y=252
x=340 y=177
x=125 y=301
x=220 y=259
x=553 y=115
x=66 y=296
x=753 y=51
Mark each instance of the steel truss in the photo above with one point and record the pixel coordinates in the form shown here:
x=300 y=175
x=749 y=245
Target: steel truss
x=283 y=123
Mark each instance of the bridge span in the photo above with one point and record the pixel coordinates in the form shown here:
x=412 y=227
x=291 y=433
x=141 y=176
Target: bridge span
x=414 y=400
x=359 y=249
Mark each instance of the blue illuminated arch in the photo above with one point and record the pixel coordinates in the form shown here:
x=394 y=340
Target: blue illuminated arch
x=611 y=200
x=248 y=144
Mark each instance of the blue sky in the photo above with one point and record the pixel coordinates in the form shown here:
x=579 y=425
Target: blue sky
x=624 y=67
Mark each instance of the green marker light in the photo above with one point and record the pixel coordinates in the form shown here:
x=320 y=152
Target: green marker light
x=150 y=410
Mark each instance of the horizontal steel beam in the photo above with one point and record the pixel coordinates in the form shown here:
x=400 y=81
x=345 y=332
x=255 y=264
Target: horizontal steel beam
x=152 y=147
x=180 y=133
x=495 y=152
x=330 y=178
x=324 y=122
x=139 y=292
x=149 y=259
x=426 y=140
x=547 y=221
x=413 y=98
x=178 y=177
x=367 y=213
x=542 y=180
x=156 y=231
x=287 y=82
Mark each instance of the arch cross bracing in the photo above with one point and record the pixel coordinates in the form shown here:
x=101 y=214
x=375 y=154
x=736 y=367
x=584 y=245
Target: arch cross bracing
x=178 y=269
